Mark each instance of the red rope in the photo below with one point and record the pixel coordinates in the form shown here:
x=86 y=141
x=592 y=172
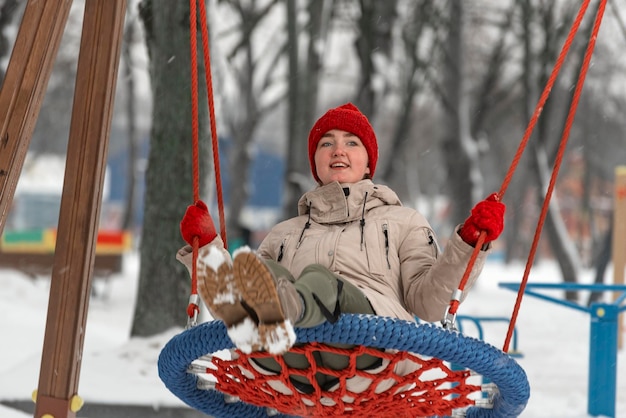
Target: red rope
x=557 y=164
x=192 y=308
x=455 y=302
x=214 y=140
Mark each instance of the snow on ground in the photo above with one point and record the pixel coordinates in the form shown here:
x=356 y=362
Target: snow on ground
x=11 y=413
x=553 y=339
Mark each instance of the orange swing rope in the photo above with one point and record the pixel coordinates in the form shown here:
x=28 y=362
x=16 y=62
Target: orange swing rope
x=193 y=307
x=455 y=302
x=557 y=164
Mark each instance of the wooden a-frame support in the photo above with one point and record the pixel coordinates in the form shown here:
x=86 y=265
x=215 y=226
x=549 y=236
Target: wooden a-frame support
x=21 y=96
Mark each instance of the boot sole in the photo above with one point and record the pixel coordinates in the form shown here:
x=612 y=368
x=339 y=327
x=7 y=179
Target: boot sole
x=258 y=291
x=256 y=285
x=220 y=293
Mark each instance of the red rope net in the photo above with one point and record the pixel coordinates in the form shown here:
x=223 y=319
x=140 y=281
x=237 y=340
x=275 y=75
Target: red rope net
x=400 y=385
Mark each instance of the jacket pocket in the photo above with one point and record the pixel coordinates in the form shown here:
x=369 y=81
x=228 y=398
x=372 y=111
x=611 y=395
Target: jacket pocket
x=297 y=249
x=377 y=244
x=429 y=237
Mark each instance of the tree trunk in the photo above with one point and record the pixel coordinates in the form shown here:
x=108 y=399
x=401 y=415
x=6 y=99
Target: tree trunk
x=242 y=127
x=461 y=154
x=413 y=67
x=128 y=222
x=302 y=99
x=365 y=46
x=253 y=67
x=562 y=247
x=239 y=164
x=164 y=283
x=602 y=261
x=374 y=38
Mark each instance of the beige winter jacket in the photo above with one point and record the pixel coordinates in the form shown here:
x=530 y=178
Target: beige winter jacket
x=363 y=234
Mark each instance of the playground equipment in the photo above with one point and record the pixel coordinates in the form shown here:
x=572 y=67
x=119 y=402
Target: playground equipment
x=32 y=251
x=178 y=372
x=479 y=322
x=30 y=232
x=603 y=339
x=605 y=321
x=21 y=97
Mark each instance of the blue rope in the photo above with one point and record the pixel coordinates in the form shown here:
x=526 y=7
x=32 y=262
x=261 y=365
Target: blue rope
x=367 y=330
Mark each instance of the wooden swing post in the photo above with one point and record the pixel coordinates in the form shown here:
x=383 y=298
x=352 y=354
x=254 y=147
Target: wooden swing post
x=21 y=96
x=24 y=87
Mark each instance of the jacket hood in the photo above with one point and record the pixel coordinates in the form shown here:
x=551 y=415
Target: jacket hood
x=338 y=203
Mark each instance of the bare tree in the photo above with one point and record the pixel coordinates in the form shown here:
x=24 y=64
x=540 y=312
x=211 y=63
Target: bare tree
x=496 y=120
x=131 y=116
x=374 y=37
x=53 y=125
x=408 y=81
x=127 y=62
x=164 y=283
x=254 y=67
x=460 y=149
x=303 y=84
x=541 y=157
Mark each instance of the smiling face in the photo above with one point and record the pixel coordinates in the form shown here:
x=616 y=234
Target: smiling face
x=340 y=156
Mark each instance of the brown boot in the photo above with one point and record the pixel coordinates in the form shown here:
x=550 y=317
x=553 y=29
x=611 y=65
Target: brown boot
x=275 y=301
x=223 y=299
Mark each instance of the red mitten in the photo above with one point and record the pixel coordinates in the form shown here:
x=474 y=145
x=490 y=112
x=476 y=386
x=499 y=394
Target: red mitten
x=197 y=222
x=487 y=216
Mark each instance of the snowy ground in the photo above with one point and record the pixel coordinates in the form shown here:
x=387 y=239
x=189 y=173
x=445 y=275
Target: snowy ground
x=553 y=339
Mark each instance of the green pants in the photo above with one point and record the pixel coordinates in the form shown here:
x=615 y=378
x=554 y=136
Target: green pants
x=319 y=289
x=319 y=286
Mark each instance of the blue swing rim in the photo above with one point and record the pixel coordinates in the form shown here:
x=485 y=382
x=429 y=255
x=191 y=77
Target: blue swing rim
x=369 y=330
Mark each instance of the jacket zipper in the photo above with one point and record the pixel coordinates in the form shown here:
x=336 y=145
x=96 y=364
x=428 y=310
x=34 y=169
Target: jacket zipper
x=307 y=225
x=431 y=241
x=281 y=252
x=386 y=234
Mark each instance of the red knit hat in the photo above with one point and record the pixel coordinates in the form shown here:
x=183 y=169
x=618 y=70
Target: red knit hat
x=347 y=118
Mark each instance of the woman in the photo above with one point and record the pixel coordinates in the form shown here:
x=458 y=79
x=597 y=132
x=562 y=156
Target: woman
x=353 y=249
